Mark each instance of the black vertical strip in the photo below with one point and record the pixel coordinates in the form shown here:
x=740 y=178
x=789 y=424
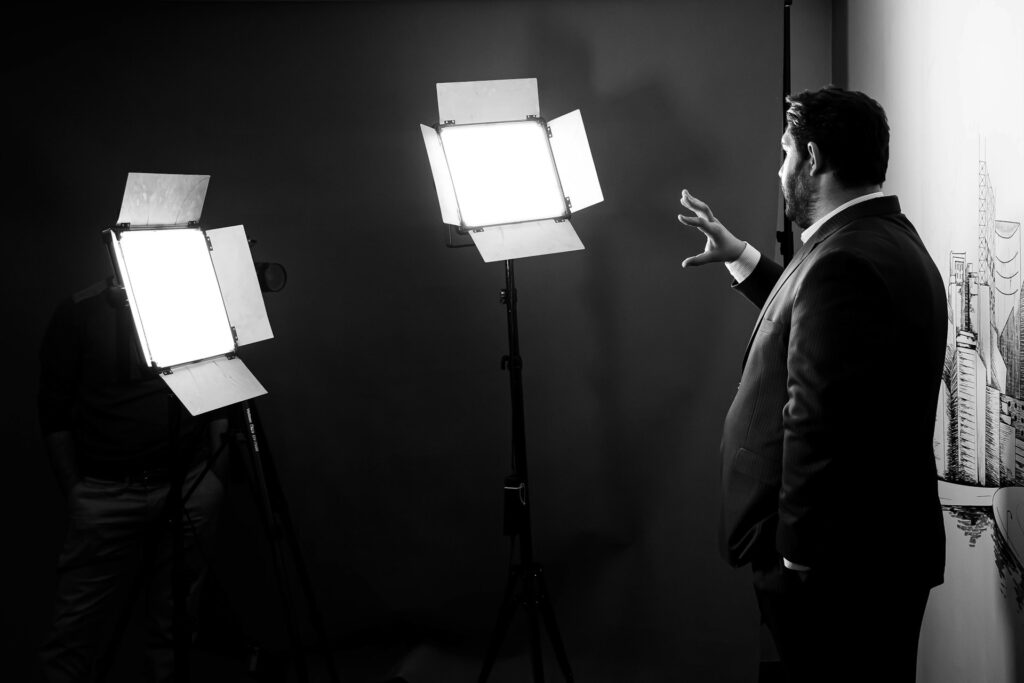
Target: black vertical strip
x=785 y=236
x=787 y=66
x=125 y=355
x=840 y=43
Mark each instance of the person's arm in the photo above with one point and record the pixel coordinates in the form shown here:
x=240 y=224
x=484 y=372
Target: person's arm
x=58 y=377
x=217 y=433
x=60 y=449
x=837 y=333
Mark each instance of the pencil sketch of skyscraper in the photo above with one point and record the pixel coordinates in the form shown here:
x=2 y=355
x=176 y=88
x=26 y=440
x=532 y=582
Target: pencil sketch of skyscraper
x=980 y=427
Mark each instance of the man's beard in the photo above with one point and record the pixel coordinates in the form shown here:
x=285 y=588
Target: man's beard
x=800 y=199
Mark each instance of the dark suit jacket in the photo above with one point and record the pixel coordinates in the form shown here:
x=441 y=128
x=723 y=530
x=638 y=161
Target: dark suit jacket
x=827 y=447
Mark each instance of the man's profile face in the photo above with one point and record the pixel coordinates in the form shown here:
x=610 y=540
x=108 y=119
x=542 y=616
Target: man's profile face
x=794 y=178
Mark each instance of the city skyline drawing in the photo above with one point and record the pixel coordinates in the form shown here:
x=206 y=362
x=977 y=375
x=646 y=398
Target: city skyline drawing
x=979 y=428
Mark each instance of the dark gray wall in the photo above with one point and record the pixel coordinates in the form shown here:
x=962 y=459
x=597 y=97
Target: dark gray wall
x=388 y=415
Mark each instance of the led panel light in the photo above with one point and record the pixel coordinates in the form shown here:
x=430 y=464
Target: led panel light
x=193 y=294
x=174 y=295
x=503 y=173
x=499 y=167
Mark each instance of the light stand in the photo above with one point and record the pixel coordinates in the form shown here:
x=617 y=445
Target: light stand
x=269 y=497
x=175 y=509
x=785 y=236
x=525 y=584
x=510 y=180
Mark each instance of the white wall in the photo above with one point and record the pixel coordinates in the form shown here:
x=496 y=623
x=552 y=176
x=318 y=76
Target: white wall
x=951 y=77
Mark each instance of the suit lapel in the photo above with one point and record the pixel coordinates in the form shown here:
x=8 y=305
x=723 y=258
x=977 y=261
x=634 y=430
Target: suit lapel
x=871 y=207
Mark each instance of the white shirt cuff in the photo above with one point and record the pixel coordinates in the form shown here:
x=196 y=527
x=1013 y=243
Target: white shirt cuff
x=745 y=263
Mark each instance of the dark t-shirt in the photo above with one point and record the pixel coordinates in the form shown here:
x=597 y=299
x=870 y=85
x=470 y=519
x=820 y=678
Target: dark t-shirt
x=93 y=383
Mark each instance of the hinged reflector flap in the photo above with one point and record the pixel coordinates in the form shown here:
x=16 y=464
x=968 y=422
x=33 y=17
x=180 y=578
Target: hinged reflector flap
x=163 y=199
x=512 y=99
x=442 y=178
x=211 y=384
x=520 y=240
x=239 y=286
x=575 y=163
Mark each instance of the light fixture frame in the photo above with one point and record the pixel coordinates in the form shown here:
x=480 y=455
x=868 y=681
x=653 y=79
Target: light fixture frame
x=507 y=101
x=120 y=266
x=465 y=229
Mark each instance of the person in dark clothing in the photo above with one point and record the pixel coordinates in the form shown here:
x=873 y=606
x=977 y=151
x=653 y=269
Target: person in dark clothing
x=107 y=423
x=840 y=375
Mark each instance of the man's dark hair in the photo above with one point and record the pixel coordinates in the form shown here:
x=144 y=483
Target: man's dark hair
x=849 y=128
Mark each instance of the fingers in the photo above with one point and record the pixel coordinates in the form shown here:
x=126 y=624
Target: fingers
x=704 y=221
x=699 y=260
x=696 y=205
x=698 y=222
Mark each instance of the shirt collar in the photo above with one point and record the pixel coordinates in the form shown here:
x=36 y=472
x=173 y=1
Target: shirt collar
x=809 y=232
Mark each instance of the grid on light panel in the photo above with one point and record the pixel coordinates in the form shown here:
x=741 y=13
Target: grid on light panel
x=174 y=295
x=503 y=172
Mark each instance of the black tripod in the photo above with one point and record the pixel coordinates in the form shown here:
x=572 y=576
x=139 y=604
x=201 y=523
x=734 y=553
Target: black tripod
x=276 y=519
x=525 y=585
x=277 y=522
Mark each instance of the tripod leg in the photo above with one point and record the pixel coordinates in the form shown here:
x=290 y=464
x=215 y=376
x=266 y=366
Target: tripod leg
x=272 y=525
x=548 y=612
x=533 y=621
x=508 y=608
x=175 y=504
x=315 y=616
x=276 y=499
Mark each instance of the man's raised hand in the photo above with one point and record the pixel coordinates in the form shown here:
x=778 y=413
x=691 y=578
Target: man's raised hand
x=721 y=244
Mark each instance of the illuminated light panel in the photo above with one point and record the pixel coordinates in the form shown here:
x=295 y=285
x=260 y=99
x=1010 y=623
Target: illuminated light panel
x=174 y=295
x=503 y=173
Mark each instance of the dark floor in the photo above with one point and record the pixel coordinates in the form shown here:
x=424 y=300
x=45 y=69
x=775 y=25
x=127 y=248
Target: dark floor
x=421 y=664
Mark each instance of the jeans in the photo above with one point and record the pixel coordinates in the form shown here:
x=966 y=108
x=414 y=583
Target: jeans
x=118 y=548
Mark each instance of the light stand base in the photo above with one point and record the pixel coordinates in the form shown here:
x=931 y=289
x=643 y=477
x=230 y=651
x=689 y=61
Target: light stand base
x=526 y=587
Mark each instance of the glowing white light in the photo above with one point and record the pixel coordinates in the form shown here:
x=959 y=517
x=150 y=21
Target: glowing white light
x=503 y=172
x=174 y=296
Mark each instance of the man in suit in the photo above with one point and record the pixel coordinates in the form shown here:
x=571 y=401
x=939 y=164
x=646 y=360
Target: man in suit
x=828 y=478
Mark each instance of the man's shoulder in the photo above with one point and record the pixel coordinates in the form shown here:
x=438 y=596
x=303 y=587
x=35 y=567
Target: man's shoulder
x=875 y=231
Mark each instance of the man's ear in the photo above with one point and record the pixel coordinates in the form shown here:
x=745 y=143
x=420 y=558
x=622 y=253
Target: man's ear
x=815 y=159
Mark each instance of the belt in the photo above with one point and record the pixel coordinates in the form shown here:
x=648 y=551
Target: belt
x=128 y=473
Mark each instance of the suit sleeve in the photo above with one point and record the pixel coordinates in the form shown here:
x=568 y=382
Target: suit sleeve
x=759 y=284
x=837 y=333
